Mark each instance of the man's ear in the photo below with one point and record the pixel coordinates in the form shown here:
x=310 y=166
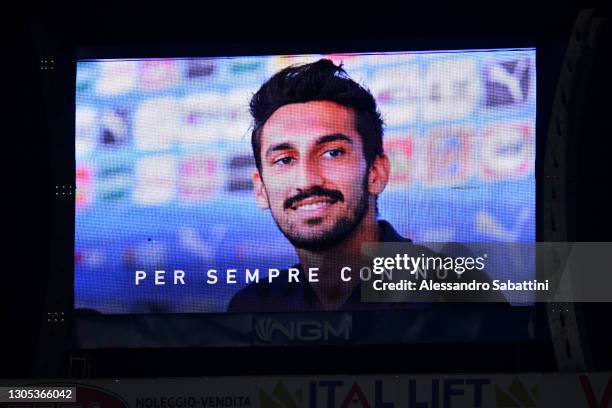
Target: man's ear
x=260 y=191
x=378 y=176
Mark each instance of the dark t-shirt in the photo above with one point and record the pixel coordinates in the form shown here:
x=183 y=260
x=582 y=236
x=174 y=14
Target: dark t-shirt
x=280 y=295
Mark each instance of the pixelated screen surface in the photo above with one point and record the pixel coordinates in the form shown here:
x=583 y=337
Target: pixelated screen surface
x=164 y=166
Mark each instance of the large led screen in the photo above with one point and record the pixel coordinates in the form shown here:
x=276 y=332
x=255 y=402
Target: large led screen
x=165 y=164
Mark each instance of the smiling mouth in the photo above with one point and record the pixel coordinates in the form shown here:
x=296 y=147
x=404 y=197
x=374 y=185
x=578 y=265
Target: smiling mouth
x=312 y=204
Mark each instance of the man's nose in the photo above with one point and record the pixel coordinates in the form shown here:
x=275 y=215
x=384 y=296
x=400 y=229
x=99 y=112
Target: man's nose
x=307 y=175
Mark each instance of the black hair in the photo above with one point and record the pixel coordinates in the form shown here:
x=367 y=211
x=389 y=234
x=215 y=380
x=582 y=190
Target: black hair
x=318 y=81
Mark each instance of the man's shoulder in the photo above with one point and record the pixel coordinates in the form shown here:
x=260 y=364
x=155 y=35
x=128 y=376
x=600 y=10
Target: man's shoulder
x=389 y=234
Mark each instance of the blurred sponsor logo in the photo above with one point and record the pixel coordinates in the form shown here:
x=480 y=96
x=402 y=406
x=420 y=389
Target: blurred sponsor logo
x=114 y=127
x=201 y=118
x=448 y=156
x=146 y=255
x=452 y=89
x=400 y=153
x=117 y=77
x=507 y=151
x=589 y=394
x=398 y=92
x=283 y=61
x=339 y=58
x=192 y=241
x=159 y=74
x=113 y=180
x=86 y=131
x=211 y=116
x=83 y=186
x=267 y=329
x=198 y=177
x=242 y=66
x=90 y=258
x=199 y=68
x=493 y=227
x=156 y=180
x=240 y=169
x=508 y=82
x=517 y=395
x=281 y=397
x=86 y=75
x=156 y=124
x=360 y=65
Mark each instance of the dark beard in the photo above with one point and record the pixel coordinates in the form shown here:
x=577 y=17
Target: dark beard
x=341 y=231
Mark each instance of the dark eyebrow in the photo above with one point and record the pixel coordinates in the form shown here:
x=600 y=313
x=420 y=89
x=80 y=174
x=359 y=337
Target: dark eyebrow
x=321 y=140
x=277 y=147
x=334 y=137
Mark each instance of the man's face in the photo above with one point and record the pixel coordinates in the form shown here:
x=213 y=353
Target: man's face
x=314 y=175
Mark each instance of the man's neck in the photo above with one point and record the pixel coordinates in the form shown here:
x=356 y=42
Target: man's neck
x=331 y=291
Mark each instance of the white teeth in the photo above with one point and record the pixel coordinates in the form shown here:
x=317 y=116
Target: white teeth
x=314 y=206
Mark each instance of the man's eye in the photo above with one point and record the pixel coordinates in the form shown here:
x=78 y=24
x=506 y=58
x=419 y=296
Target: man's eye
x=334 y=153
x=283 y=160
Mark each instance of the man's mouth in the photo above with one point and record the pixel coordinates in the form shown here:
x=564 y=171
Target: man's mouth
x=313 y=204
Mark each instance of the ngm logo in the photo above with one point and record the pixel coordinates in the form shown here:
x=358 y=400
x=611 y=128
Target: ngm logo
x=268 y=330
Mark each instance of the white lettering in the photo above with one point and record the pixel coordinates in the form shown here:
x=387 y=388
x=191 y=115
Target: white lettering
x=140 y=275
x=159 y=278
x=252 y=277
x=294 y=273
x=231 y=275
x=212 y=276
x=345 y=269
x=179 y=276
x=313 y=276
x=273 y=273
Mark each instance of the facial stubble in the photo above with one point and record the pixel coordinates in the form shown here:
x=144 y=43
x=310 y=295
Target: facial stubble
x=341 y=230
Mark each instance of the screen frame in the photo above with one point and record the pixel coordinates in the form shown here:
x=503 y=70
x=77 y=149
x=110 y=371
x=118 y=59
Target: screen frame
x=548 y=55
